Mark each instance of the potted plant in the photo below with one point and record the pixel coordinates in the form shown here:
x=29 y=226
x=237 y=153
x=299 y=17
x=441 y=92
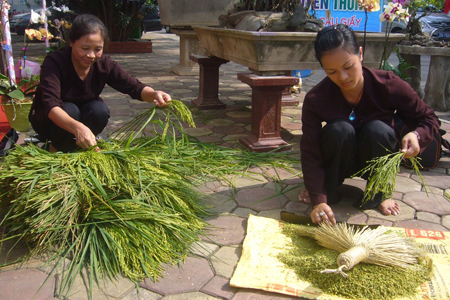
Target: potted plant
x=16 y=100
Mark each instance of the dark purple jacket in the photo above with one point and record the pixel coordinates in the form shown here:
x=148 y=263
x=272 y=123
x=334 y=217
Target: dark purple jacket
x=384 y=94
x=59 y=82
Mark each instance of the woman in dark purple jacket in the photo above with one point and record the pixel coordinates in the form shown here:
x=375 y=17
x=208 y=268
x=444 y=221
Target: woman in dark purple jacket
x=348 y=119
x=68 y=110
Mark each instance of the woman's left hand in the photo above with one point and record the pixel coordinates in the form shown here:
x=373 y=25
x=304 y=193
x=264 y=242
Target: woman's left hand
x=410 y=145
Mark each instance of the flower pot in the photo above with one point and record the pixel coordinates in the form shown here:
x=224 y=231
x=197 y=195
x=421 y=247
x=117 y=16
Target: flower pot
x=17 y=115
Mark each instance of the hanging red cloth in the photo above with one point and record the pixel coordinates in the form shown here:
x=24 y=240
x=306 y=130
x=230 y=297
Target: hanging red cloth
x=447 y=6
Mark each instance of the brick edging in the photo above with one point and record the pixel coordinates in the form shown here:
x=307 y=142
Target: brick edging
x=132 y=46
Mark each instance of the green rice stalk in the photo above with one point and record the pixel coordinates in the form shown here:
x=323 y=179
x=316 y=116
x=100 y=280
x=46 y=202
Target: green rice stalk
x=382 y=173
x=126 y=210
x=365 y=281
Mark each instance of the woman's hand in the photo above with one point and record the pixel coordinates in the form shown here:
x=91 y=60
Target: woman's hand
x=84 y=137
x=410 y=145
x=160 y=98
x=322 y=213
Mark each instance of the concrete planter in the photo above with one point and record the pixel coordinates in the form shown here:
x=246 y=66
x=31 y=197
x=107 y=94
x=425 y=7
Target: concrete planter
x=437 y=87
x=182 y=13
x=274 y=53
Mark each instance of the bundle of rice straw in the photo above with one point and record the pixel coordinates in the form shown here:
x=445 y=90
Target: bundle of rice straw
x=374 y=246
x=125 y=210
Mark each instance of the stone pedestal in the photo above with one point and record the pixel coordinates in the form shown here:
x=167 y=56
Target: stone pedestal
x=189 y=44
x=286 y=95
x=437 y=87
x=414 y=73
x=266 y=111
x=208 y=95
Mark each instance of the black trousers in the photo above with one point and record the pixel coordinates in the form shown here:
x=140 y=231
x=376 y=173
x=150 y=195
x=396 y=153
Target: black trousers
x=94 y=115
x=346 y=150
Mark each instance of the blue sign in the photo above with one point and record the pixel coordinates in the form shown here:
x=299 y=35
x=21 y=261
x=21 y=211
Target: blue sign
x=346 y=12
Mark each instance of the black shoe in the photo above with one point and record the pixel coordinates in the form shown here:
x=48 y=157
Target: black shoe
x=8 y=142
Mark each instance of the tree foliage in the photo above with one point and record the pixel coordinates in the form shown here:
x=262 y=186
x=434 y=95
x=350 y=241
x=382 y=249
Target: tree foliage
x=120 y=17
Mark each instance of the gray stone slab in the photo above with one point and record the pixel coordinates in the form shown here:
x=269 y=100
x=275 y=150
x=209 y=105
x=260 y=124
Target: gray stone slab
x=142 y=294
x=273 y=214
x=285 y=176
x=344 y=211
x=198 y=131
x=213 y=187
x=233 y=137
x=260 y=199
x=107 y=289
x=219 y=203
x=446 y=221
x=406 y=212
x=26 y=284
x=359 y=218
x=203 y=249
x=244 y=212
x=190 y=276
x=226 y=230
x=253 y=180
x=434 y=179
x=376 y=221
x=219 y=287
x=224 y=261
x=428 y=217
x=295 y=207
x=191 y=296
x=435 y=204
x=404 y=185
x=230 y=130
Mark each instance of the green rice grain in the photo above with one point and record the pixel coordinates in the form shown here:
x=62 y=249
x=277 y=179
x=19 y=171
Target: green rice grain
x=365 y=281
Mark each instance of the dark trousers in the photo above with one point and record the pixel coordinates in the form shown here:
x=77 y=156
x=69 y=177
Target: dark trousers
x=346 y=150
x=94 y=115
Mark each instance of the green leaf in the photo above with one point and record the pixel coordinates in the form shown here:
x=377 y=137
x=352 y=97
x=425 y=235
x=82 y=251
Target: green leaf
x=16 y=94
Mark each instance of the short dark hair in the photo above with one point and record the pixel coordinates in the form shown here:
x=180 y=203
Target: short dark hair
x=333 y=37
x=87 y=24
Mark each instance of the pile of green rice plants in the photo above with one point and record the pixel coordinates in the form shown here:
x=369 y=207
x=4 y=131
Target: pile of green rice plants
x=365 y=281
x=125 y=210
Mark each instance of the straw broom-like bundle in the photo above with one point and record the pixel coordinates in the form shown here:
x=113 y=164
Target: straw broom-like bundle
x=374 y=246
x=125 y=210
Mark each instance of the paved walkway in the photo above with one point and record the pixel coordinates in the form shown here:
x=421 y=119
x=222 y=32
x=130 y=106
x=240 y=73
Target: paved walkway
x=206 y=276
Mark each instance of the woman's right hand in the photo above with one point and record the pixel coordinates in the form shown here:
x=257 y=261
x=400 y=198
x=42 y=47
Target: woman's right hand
x=322 y=213
x=84 y=137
